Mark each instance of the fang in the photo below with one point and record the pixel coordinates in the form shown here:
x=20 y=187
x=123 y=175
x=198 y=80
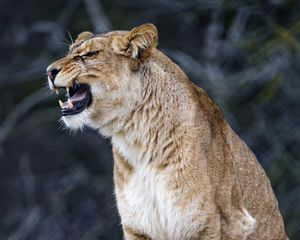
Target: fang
x=61 y=104
x=70 y=104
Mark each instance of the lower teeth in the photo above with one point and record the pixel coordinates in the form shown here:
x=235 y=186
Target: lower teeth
x=70 y=104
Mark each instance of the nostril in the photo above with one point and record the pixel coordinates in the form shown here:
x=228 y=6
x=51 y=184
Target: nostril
x=52 y=73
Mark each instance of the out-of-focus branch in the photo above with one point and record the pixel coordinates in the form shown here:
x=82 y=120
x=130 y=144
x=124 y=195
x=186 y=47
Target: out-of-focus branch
x=28 y=224
x=28 y=70
x=27 y=73
x=28 y=180
x=14 y=115
x=97 y=16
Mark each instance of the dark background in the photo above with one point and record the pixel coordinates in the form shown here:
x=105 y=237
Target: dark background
x=55 y=184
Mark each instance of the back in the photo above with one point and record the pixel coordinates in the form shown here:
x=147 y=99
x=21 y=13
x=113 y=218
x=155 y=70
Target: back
x=257 y=192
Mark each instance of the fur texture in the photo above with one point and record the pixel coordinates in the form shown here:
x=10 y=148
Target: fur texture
x=180 y=171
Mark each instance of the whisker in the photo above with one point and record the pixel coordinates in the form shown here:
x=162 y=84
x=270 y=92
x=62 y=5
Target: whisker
x=67 y=40
x=62 y=126
x=66 y=44
x=45 y=87
x=70 y=36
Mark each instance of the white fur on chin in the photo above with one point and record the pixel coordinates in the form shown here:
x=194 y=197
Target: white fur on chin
x=75 y=122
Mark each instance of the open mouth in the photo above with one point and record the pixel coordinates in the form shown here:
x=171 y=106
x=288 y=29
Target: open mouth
x=79 y=98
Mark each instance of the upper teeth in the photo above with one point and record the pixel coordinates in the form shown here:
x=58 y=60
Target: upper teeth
x=61 y=103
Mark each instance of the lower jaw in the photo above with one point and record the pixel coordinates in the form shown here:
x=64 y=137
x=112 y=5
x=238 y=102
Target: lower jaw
x=75 y=122
x=78 y=109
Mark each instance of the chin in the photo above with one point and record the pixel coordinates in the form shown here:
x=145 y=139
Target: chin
x=76 y=122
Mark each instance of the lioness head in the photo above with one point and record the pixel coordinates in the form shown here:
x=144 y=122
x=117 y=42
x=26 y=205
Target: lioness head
x=101 y=75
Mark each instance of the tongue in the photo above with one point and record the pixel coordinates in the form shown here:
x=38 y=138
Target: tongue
x=79 y=95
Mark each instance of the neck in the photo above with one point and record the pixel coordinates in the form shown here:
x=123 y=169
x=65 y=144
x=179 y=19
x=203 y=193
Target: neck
x=154 y=129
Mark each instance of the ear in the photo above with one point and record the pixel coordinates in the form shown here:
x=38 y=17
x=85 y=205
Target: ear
x=84 y=36
x=138 y=43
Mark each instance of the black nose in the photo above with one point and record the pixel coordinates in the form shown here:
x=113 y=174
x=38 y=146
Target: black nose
x=52 y=72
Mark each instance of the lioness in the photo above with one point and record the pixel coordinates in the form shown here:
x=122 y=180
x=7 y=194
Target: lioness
x=180 y=171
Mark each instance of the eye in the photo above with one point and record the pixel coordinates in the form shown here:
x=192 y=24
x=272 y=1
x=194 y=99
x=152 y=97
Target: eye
x=89 y=54
x=86 y=55
x=78 y=57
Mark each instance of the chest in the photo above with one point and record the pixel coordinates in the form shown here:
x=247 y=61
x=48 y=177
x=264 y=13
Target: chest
x=146 y=204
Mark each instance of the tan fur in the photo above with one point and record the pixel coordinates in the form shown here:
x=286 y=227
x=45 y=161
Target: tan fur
x=180 y=171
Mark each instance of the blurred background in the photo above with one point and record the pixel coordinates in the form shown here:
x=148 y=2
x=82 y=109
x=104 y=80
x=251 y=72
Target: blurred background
x=58 y=185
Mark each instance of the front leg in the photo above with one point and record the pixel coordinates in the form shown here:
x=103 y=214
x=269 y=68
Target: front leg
x=131 y=234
